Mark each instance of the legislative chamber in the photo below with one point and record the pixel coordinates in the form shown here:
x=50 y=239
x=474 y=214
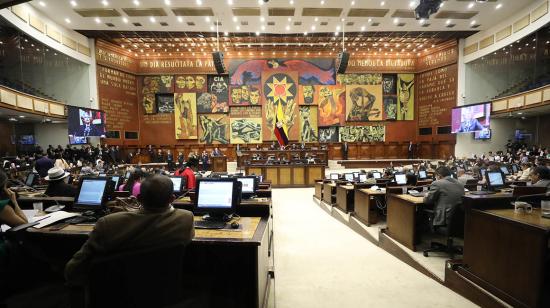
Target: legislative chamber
x=274 y=153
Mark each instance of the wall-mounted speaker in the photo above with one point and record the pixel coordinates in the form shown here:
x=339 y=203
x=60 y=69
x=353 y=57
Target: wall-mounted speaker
x=218 y=62
x=342 y=62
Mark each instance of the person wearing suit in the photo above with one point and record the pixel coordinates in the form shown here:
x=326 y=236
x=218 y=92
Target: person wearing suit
x=345 y=150
x=410 y=150
x=469 y=123
x=540 y=177
x=445 y=194
x=129 y=231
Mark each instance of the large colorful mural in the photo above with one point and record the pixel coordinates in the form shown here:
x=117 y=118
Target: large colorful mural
x=305 y=97
x=311 y=71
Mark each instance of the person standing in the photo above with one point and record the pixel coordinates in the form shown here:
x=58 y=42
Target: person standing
x=345 y=150
x=410 y=150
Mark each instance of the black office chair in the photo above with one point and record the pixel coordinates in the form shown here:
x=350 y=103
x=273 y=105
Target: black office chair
x=138 y=279
x=453 y=229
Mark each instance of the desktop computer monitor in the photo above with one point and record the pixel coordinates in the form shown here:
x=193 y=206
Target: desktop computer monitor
x=515 y=168
x=495 y=180
x=362 y=177
x=348 y=177
x=377 y=175
x=30 y=179
x=356 y=175
x=400 y=179
x=216 y=197
x=334 y=176
x=504 y=170
x=249 y=185
x=127 y=176
x=422 y=174
x=116 y=179
x=92 y=193
x=179 y=183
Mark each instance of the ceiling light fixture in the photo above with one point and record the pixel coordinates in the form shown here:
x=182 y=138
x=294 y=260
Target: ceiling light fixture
x=291 y=2
x=199 y=2
x=152 y=19
x=473 y=22
x=105 y=2
x=180 y=19
x=125 y=20
x=229 y=2
x=73 y=3
x=382 y=3
x=67 y=20
x=471 y=5
x=322 y=2
x=448 y=21
x=136 y=2
x=396 y=20
x=498 y=6
x=412 y=4
x=97 y=20
x=235 y=19
x=42 y=3
x=167 y=2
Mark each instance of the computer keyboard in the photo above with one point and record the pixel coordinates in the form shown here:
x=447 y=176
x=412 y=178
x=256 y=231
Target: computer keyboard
x=80 y=219
x=207 y=224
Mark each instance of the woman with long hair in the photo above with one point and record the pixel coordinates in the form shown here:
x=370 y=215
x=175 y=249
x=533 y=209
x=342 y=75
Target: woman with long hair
x=133 y=184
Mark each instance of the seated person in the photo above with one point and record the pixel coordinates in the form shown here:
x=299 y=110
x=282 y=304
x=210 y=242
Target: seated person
x=540 y=177
x=525 y=172
x=127 y=231
x=189 y=173
x=57 y=184
x=445 y=194
x=463 y=177
x=10 y=212
x=133 y=184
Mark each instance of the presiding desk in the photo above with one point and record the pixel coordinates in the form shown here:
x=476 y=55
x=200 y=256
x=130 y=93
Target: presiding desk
x=232 y=264
x=288 y=175
x=219 y=163
x=507 y=253
x=401 y=219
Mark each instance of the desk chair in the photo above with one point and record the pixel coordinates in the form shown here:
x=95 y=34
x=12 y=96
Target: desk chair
x=144 y=278
x=454 y=228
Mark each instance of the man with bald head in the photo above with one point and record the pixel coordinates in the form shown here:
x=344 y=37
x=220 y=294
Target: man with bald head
x=157 y=224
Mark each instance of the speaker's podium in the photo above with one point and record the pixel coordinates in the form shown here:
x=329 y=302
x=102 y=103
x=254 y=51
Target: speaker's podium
x=219 y=164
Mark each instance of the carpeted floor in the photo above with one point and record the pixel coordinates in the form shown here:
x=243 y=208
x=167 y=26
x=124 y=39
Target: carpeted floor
x=320 y=262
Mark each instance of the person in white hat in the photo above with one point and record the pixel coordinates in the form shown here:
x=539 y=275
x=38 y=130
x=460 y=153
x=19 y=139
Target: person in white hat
x=57 y=184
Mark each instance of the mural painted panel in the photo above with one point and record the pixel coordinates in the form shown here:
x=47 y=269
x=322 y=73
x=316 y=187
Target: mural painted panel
x=279 y=93
x=306 y=95
x=389 y=90
x=165 y=103
x=332 y=105
x=374 y=133
x=329 y=134
x=308 y=123
x=405 y=95
x=246 y=130
x=208 y=103
x=185 y=115
x=364 y=103
x=218 y=87
x=214 y=128
x=359 y=79
x=245 y=95
x=312 y=71
x=190 y=83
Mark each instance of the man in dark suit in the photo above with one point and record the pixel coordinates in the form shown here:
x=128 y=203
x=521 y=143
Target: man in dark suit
x=410 y=150
x=469 y=123
x=445 y=194
x=345 y=150
x=158 y=224
x=42 y=165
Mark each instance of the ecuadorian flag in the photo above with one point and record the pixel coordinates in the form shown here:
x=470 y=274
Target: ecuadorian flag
x=280 y=129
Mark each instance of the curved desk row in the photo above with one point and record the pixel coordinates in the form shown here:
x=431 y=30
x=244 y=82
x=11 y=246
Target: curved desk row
x=285 y=176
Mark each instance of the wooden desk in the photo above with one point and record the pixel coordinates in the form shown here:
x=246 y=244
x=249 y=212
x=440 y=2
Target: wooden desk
x=329 y=193
x=365 y=205
x=294 y=175
x=507 y=253
x=288 y=154
x=26 y=200
x=377 y=163
x=219 y=163
x=495 y=201
x=213 y=256
x=260 y=207
x=344 y=197
x=401 y=219
x=319 y=190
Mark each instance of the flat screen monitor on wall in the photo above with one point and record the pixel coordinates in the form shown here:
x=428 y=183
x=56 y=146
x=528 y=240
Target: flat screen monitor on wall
x=471 y=118
x=85 y=122
x=483 y=135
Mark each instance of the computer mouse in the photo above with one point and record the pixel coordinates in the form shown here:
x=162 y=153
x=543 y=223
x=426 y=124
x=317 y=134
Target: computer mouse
x=234 y=225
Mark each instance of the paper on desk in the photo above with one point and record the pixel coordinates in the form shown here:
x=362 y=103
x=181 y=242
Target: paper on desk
x=53 y=218
x=30 y=214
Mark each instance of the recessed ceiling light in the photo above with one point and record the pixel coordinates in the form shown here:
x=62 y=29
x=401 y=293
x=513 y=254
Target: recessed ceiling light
x=97 y=20
x=21 y=116
x=125 y=20
x=471 y=5
x=152 y=19
x=352 y=3
x=257 y=33
x=238 y=28
x=291 y=2
x=316 y=18
x=448 y=21
x=287 y=27
x=229 y=2
x=67 y=20
x=105 y=2
x=305 y=33
x=422 y=21
x=382 y=3
x=167 y=2
x=322 y=2
x=442 y=4
x=42 y=3
x=260 y=2
x=412 y=4
x=369 y=20
x=263 y=28
x=313 y=28
x=180 y=19
x=73 y=3
x=262 y=19
x=136 y=2
x=498 y=6
x=235 y=19
x=363 y=28
x=396 y=20
x=207 y=18
x=199 y=2
x=226 y=33
x=473 y=22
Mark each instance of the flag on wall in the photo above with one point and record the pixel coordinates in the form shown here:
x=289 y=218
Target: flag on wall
x=280 y=130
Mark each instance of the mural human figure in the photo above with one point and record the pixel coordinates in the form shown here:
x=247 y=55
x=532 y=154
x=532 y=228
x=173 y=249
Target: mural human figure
x=236 y=95
x=199 y=82
x=185 y=117
x=405 y=96
x=308 y=94
x=254 y=96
